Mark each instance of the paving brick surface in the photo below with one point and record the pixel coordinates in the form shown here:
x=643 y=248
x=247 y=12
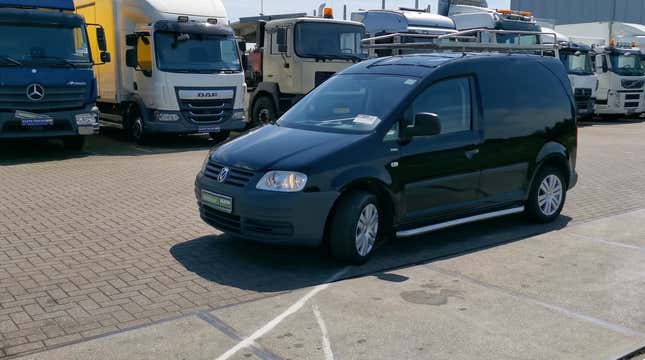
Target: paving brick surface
x=111 y=239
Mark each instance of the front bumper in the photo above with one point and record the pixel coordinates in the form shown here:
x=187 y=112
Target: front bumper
x=64 y=124
x=621 y=103
x=266 y=216
x=186 y=126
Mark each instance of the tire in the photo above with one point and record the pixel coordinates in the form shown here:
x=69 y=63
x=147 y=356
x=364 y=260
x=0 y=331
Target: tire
x=74 y=143
x=345 y=228
x=548 y=195
x=264 y=111
x=135 y=127
x=221 y=136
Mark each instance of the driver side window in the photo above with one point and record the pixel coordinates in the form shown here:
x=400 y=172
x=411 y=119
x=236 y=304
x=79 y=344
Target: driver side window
x=144 y=53
x=450 y=100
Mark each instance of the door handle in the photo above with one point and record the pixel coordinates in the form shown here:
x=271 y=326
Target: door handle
x=470 y=154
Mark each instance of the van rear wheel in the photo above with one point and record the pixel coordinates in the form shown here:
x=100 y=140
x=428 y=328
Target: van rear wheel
x=355 y=228
x=548 y=194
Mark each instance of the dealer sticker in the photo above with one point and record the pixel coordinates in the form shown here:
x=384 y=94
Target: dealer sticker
x=31 y=119
x=367 y=120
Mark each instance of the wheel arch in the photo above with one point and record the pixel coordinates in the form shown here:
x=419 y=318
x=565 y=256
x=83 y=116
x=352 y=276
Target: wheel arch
x=551 y=154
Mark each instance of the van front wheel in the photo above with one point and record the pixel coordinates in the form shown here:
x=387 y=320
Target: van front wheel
x=355 y=228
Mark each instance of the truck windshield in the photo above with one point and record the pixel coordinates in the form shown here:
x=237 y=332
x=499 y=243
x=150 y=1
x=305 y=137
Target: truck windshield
x=577 y=64
x=626 y=65
x=43 y=45
x=349 y=103
x=196 y=53
x=329 y=40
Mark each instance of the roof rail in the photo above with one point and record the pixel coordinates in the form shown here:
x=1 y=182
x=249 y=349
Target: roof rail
x=464 y=41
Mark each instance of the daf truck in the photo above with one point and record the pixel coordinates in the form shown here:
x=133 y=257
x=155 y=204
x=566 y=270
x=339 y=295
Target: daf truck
x=297 y=55
x=47 y=86
x=621 y=79
x=177 y=68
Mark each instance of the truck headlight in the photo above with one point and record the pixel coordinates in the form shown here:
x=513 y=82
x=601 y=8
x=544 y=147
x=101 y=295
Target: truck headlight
x=166 y=116
x=86 y=119
x=283 y=181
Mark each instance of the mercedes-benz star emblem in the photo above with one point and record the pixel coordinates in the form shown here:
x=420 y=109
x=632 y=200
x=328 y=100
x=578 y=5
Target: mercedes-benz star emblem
x=35 y=92
x=223 y=174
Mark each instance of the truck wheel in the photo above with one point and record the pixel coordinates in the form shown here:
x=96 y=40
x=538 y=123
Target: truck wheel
x=548 y=194
x=264 y=111
x=135 y=128
x=221 y=136
x=74 y=143
x=355 y=228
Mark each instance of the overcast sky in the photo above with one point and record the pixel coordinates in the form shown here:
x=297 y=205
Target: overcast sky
x=242 y=8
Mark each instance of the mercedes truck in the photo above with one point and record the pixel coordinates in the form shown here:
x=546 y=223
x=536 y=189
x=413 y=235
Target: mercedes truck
x=47 y=86
x=177 y=68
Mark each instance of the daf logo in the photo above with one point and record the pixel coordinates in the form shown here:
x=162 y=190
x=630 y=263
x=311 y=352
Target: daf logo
x=223 y=174
x=207 y=94
x=35 y=92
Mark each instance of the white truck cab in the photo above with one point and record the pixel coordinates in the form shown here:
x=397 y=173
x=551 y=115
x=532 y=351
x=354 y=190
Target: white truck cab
x=298 y=54
x=509 y=26
x=578 y=60
x=178 y=68
x=621 y=80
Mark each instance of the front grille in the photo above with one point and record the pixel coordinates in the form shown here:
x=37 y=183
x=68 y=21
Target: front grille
x=56 y=98
x=582 y=105
x=236 y=176
x=268 y=228
x=322 y=76
x=220 y=220
x=632 y=97
x=211 y=110
x=583 y=93
x=633 y=84
x=631 y=104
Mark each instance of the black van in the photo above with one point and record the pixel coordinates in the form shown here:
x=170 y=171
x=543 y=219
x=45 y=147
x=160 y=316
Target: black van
x=400 y=145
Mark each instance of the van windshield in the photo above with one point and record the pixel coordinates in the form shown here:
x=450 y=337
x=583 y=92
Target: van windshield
x=349 y=103
x=196 y=53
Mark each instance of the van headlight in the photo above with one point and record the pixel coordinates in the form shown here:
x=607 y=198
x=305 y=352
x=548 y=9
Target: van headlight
x=283 y=181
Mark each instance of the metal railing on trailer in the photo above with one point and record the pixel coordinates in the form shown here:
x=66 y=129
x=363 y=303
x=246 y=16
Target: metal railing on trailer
x=474 y=40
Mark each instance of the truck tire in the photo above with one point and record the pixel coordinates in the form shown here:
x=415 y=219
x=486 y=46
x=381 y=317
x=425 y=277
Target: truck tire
x=356 y=228
x=264 y=111
x=548 y=194
x=221 y=136
x=135 y=127
x=74 y=143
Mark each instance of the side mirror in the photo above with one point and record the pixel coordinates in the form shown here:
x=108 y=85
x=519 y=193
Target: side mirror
x=425 y=124
x=105 y=57
x=242 y=45
x=245 y=62
x=100 y=39
x=131 y=58
x=131 y=40
x=605 y=68
x=260 y=33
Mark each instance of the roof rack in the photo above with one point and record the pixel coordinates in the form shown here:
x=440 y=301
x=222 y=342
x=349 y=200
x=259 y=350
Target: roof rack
x=463 y=41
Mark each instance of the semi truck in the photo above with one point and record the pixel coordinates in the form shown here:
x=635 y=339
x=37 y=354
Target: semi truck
x=47 y=86
x=295 y=56
x=414 y=24
x=621 y=79
x=177 y=68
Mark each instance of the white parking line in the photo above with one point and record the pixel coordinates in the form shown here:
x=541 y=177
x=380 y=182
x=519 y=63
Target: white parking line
x=326 y=345
x=278 y=319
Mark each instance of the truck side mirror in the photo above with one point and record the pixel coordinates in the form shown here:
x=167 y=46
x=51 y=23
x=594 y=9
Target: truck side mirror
x=242 y=45
x=131 y=58
x=131 y=40
x=100 y=39
x=605 y=66
x=259 y=33
x=105 y=57
x=425 y=124
x=245 y=62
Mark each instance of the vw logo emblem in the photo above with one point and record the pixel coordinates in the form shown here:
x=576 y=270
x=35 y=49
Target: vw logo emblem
x=35 y=92
x=223 y=174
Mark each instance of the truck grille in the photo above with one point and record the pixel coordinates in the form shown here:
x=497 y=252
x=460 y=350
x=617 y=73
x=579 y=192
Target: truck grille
x=236 y=177
x=632 y=97
x=56 y=98
x=583 y=93
x=210 y=110
x=633 y=84
x=631 y=104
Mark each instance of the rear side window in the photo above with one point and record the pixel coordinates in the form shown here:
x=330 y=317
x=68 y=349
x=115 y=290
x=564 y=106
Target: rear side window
x=450 y=100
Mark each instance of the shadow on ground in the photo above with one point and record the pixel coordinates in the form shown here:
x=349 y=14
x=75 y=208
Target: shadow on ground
x=268 y=268
x=111 y=142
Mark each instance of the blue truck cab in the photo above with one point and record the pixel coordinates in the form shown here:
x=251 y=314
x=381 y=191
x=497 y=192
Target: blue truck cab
x=47 y=84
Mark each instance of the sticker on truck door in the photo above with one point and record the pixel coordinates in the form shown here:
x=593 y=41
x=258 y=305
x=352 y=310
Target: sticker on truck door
x=31 y=119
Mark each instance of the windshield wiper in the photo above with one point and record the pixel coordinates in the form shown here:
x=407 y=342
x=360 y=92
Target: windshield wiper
x=10 y=60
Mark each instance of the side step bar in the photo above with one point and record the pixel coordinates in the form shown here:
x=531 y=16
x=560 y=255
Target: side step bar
x=447 y=224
